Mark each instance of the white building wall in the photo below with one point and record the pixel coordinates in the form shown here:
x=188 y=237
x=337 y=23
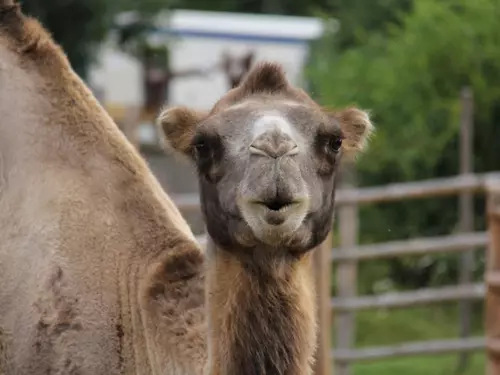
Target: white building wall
x=119 y=76
x=202 y=92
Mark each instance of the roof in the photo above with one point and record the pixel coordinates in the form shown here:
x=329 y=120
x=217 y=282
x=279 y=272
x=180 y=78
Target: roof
x=242 y=26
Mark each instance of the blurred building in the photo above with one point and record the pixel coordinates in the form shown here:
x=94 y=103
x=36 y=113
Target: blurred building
x=199 y=39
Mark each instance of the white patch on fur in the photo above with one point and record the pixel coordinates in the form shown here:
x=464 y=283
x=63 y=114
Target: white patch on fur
x=291 y=103
x=271 y=122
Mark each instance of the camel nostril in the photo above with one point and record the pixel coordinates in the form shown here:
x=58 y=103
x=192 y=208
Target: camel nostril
x=274 y=145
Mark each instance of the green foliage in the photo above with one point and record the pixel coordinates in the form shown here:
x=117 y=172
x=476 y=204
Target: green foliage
x=412 y=80
x=133 y=39
x=435 y=365
x=81 y=25
x=410 y=74
x=359 y=18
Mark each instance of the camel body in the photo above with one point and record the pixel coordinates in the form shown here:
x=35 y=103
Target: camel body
x=92 y=281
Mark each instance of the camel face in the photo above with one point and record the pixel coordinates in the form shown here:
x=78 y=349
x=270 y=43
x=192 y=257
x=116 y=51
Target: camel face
x=266 y=156
x=263 y=164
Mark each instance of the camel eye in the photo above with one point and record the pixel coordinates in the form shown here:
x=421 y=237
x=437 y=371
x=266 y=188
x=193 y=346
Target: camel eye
x=334 y=144
x=208 y=152
x=201 y=147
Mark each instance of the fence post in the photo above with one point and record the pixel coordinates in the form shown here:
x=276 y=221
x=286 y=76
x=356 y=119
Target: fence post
x=346 y=273
x=492 y=318
x=466 y=209
x=322 y=272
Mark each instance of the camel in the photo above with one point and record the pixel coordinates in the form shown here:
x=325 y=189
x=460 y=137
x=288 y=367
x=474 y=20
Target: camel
x=266 y=157
x=99 y=272
x=235 y=68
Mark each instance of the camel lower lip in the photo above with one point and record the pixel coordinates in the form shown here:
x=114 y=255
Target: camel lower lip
x=275 y=217
x=279 y=216
x=261 y=213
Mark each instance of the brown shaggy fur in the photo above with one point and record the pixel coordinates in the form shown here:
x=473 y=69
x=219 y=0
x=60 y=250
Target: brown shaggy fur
x=99 y=272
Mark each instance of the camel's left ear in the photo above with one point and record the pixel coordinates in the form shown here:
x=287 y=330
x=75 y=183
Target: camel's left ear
x=177 y=126
x=356 y=127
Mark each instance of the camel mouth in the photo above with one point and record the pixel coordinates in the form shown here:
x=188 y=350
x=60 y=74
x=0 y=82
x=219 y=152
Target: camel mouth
x=276 y=212
x=283 y=216
x=277 y=205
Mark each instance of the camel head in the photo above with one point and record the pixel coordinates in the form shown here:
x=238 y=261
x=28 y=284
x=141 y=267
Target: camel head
x=266 y=156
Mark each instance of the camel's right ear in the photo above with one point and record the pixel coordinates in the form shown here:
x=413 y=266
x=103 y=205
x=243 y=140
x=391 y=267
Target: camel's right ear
x=177 y=126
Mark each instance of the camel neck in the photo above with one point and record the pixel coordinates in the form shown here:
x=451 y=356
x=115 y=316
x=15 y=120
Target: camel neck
x=261 y=314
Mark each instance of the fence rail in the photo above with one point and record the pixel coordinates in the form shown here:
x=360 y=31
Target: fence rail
x=434 y=347
x=419 y=246
x=413 y=190
x=409 y=299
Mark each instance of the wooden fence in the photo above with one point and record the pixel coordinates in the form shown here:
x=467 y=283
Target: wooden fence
x=348 y=254
x=347 y=257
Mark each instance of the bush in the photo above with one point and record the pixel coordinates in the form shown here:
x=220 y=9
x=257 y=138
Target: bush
x=410 y=75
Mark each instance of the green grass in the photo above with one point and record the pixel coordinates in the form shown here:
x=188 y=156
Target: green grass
x=437 y=365
x=379 y=328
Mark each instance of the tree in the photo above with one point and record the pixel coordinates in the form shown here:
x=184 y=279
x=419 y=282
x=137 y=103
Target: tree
x=81 y=25
x=410 y=74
